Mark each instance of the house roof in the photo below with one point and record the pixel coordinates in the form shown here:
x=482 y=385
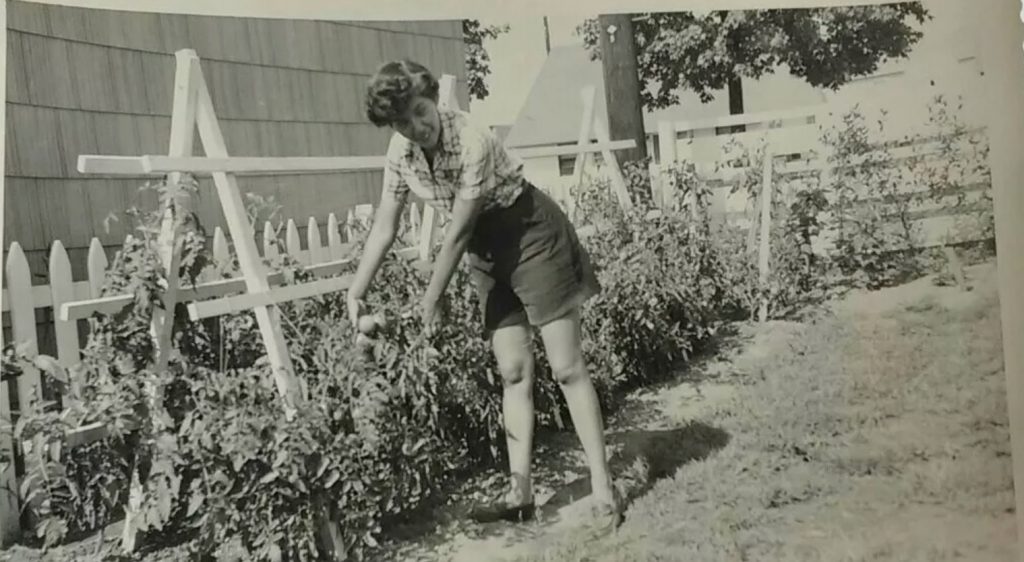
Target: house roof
x=554 y=106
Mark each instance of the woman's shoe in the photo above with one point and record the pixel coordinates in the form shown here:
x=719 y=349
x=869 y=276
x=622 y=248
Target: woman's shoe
x=605 y=516
x=513 y=506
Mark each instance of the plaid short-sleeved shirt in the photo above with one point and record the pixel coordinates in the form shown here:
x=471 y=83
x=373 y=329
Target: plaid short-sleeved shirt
x=470 y=162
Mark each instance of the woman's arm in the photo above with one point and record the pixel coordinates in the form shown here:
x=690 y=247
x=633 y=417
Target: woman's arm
x=453 y=246
x=385 y=226
x=382 y=235
x=478 y=175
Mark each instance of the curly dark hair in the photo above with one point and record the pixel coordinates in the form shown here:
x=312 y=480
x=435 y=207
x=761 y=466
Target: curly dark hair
x=393 y=87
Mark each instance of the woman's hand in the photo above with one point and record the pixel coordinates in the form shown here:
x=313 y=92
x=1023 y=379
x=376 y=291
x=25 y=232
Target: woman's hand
x=453 y=247
x=378 y=242
x=355 y=308
x=430 y=313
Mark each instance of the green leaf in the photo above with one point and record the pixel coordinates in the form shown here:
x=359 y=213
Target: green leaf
x=164 y=504
x=324 y=463
x=186 y=424
x=281 y=458
x=269 y=477
x=195 y=502
x=331 y=478
x=50 y=366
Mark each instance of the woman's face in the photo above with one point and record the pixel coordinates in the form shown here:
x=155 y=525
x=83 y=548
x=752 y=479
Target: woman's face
x=420 y=123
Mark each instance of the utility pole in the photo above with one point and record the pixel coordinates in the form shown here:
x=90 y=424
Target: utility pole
x=622 y=84
x=735 y=87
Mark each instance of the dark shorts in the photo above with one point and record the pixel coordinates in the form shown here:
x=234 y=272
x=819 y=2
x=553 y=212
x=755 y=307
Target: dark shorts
x=528 y=264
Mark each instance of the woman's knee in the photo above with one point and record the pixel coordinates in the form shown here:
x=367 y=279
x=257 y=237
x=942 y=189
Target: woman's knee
x=514 y=354
x=516 y=369
x=562 y=339
x=570 y=371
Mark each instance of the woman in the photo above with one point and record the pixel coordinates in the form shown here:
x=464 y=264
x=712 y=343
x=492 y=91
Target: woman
x=527 y=264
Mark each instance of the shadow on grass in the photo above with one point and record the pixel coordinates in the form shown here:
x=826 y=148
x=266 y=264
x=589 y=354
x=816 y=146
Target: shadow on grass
x=645 y=458
x=728 y=339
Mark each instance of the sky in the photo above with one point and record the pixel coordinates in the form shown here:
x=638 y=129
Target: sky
x=516 y=59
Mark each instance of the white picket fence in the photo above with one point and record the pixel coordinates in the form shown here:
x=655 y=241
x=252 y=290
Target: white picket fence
x=21 y=295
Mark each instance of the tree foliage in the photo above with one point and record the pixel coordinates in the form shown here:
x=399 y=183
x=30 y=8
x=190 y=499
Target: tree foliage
x=478 y=62
x=702 y=52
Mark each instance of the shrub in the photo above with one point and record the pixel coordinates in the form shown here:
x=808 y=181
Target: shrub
x=797 y=271
x=882 y=184
x=870 y=206
x=639 y=327
x=644 y=325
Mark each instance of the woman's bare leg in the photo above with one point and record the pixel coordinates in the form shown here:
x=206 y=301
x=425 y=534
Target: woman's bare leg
x=514 y=353
x=562 y=343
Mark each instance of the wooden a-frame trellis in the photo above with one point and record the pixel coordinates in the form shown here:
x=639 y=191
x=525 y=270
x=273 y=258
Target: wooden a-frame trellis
x=193 y=109
x=591 y=126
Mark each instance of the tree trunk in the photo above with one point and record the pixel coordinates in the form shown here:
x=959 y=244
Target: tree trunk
x=736 y=101
x=622 y=85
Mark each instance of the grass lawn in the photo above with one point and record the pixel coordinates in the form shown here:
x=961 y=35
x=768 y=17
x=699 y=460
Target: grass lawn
x=877 y=431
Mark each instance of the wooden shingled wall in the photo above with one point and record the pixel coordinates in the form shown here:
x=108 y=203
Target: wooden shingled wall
x=90 y=81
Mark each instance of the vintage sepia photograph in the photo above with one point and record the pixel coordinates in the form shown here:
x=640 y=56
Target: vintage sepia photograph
x=594 y=285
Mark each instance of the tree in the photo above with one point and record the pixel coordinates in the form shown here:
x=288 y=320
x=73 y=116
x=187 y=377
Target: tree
x=710 y=52
x=478 y=63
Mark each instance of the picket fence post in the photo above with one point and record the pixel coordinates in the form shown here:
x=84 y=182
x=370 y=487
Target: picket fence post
x=668 y=155
x=764 y=254
x=62 y=290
